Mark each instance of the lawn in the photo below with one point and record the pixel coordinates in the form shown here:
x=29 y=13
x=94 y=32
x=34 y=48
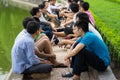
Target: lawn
x=108 y=12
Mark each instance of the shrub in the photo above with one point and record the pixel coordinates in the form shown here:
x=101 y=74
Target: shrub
x=111 y=38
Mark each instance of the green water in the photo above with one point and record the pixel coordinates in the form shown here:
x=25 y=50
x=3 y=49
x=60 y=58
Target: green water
x=10 y=25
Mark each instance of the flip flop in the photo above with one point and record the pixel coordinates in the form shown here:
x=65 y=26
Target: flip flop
x=60 y=66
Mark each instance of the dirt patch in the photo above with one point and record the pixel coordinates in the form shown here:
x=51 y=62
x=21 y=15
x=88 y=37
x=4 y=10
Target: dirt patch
x=116 y=72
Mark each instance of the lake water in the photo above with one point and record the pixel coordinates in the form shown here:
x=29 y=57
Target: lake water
x=10 y=25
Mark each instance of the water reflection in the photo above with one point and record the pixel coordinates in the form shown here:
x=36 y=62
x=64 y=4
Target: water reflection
x=10 y=25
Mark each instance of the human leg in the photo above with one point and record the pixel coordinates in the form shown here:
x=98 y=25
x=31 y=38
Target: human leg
x=38 y=68
x=59 y=34
x=83 y=59
x=94 y=61
x=46 y=47
x=78 y=63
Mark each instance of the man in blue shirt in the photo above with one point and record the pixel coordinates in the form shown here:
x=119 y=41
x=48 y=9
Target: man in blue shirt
x=88 y=50
x=24 y=60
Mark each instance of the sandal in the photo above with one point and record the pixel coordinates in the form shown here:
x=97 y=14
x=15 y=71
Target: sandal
x=67 y=74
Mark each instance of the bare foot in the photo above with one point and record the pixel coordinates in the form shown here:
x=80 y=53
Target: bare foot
x=76 y=77
x=58 y=64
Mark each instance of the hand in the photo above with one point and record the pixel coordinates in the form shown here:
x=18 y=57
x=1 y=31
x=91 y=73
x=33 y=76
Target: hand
x=52 y=40
x=62 y=25
x=70 y=36
x=67 y=62
x=54 y=30
x=53 y=56
x=66 y=58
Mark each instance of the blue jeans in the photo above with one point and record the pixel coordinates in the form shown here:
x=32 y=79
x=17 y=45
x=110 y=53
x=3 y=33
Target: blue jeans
x=49 y=33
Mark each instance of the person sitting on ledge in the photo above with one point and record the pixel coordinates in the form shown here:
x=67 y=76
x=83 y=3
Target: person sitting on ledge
x=88 y=50
x=24 y=60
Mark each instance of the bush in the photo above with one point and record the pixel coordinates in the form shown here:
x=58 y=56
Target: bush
x=107 y=15
x=111 y=38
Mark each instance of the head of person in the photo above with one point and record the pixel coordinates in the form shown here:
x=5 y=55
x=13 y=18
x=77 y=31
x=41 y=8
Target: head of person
x=26 y=20
x=33 y=28
x=42 y=8
x=46 y=3
x=74 y=7
x=80 y=28
x=69 y=1
x=35 y=11
x=79 y=3
x=52 y=2
x=84 y=6
x=82 y=16
x=76 y=1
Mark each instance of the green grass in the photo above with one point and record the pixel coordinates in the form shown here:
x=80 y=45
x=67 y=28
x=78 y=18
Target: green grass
x=108 y=12
x=10 y=25
x=115 y=1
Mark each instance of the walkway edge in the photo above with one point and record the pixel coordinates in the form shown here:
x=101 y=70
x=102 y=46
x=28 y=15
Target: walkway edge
x=22 y=4
x=14 y=76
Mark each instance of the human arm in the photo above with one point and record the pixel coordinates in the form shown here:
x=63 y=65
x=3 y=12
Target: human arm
x=74 y=51
x=67 y=22
x=51 y=15
x=30 y=53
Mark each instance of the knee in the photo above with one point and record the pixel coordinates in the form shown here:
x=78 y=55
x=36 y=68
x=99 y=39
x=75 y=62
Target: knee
x=46 y=41
x=45 y=37
x=49 y=68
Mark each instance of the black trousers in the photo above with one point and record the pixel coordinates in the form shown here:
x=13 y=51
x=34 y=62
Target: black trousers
x=38 y=68
x=83 y=59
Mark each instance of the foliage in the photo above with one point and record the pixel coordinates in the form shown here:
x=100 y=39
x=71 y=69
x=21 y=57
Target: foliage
x=110 y=36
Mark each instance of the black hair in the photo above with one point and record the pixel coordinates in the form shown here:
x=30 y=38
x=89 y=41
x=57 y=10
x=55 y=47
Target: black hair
x=70 y=1
x=34 y=11
x=76 y=1
x=32 y=27
x=41 y=6
x=44 y=2
x=26 y=20
x=82 y=24
x=82 y=16
x=50 y=0
x=74 y=7
x=85 y=5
